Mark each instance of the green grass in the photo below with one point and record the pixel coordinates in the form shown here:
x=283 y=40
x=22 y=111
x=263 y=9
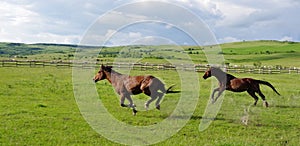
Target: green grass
x=267 y=52
x=286 y=54
x=38 y=108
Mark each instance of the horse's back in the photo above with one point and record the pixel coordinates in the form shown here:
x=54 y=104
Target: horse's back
x=132 y=84
x=239 y=84
x=156 y=84
x=152 y=83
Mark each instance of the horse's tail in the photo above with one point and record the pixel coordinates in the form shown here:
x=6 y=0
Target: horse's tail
x=158 y=85
x=268 y=84
x=169 y=90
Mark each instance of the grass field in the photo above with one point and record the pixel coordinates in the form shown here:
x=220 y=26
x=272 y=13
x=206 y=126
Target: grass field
x=38 y=108
x=267 y=52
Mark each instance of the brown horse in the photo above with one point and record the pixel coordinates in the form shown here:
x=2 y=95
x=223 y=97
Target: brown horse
x=231 y=83
x=126 y=86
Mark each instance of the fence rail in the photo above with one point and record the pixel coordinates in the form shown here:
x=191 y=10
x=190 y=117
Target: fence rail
x=147 y=66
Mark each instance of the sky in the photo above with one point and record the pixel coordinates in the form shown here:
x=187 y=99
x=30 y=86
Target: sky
x=128 y=22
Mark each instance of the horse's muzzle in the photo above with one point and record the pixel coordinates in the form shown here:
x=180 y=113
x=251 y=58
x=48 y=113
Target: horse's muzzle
x=95 y=80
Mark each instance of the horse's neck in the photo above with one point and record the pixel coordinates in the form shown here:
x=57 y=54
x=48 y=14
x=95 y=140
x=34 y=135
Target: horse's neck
x=229 y=77
x=224 y=77
x=113 y=76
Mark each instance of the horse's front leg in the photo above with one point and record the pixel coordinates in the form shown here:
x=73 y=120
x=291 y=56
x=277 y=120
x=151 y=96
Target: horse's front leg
x=122 y=100
x=213 y=95
x=124 y=96
x=220 y=91
x=131 y=104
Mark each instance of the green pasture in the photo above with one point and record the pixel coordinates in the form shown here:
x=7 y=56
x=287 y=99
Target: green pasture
x=38 y=108
x=263 y=53
x=286 y=54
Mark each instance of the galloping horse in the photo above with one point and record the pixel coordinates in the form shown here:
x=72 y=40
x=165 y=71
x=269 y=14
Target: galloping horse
x=126 y=86
x=231 y=83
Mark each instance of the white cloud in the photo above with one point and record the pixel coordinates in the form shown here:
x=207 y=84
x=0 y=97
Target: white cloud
x=20 y=24
x=254 y=20
x=15 y=15
x=228 y=39
x=65 y=21
x=287 y=38
x=169 y=26
x=116 y=38
x=135 y=35
x=232 y=13
x=203 y=5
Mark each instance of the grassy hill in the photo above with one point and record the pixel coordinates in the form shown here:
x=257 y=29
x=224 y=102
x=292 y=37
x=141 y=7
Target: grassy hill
x=261 y=53
x=266 y=52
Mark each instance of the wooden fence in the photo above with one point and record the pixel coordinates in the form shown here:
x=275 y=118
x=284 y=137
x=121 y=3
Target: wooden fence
x=147 y=66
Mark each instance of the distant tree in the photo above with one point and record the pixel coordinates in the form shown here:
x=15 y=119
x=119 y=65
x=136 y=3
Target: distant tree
x=257 y=64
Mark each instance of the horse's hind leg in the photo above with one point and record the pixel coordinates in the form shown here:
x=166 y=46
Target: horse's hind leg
x=153 y=97
x=252 y=93
x=263 y=97
x=148 y=92
x=157 y=104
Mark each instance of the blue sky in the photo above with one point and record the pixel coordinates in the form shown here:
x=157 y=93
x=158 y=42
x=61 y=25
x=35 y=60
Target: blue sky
x=57 y=21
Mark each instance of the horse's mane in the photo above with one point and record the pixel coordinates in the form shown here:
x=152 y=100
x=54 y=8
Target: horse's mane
x=219 y=71
x=110 y=70
x=113 y=71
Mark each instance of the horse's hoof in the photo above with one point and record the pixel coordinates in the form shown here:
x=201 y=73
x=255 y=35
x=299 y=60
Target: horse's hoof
x=158 y=107
x=146 y=107
x=134 y=111
x=266 y=104
x=213 y=101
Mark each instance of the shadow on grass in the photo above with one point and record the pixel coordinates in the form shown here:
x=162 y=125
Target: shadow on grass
x=192 y=117
x=287 y=106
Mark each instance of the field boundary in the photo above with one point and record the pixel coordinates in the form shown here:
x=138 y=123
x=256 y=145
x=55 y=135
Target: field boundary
x=148 y=66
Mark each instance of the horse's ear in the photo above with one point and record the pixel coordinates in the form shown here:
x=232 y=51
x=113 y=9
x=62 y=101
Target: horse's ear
x=102 y=66
x=107 y=68
x=208 y=67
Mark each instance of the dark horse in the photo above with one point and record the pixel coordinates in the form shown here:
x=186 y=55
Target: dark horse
x=231 y=83
x=126 y=86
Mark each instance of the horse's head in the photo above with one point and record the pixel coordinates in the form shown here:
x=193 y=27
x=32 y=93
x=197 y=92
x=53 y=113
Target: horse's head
x=102 y=73
x=207 y=73
x=213 y=71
